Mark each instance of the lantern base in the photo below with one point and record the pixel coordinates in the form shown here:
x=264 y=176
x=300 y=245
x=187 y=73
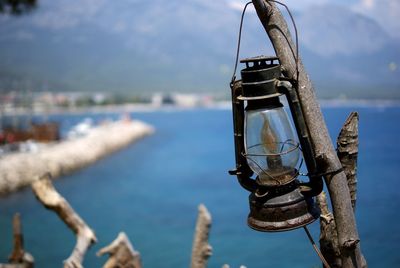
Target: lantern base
x=282 y=213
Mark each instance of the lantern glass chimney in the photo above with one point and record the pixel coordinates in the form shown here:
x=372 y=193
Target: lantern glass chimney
x=271 y=148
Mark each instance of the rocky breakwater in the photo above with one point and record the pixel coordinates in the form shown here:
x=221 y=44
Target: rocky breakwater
x=20 y=169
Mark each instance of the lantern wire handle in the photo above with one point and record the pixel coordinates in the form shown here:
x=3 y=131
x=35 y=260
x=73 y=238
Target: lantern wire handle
x=238 y=44
x=296 y=57
x=316 y=248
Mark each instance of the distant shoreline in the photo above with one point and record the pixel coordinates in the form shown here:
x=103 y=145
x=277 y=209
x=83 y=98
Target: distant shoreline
x=221 y=105
x=19 y=169
x=359 y=103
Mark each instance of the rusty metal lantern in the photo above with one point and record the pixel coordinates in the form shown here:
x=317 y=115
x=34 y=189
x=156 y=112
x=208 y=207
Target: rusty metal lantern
x=268 y=151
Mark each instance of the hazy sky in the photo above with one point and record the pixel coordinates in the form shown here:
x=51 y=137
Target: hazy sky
x=189 y=45
x=386 y=12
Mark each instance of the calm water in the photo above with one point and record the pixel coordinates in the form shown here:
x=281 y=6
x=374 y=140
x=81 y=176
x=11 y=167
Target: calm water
x=151 y=191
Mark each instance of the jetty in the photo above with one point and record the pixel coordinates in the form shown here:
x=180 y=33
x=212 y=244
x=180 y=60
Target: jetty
x=21 y=169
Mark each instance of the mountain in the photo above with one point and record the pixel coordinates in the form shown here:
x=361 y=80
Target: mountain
x=348 y=53
x=123 y=45
x=145 y=46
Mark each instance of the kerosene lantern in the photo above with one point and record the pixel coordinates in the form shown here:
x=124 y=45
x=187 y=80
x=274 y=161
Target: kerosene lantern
x=268 y=151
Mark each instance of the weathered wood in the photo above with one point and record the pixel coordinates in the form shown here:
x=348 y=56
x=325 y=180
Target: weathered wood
x=347 y=151
x=122 y=253
x=51 y=199
x=328 y=239
x=326 y=157
x=18 y=250
x=19 y=258
x=201 y=249
x=15 y=265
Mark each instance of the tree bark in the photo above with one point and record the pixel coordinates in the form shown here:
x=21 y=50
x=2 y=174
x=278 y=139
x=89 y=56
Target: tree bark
x=201 y=250
x=278 y=32
x=122 y=253
x=347 y=151
x=51 y=199
x=328 y=238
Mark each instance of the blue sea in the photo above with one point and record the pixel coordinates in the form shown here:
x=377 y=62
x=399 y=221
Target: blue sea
x=151 y=191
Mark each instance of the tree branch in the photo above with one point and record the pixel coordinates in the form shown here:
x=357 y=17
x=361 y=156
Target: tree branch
x=122 y=253
x=201 y=250
x=326 y=157
x=51 y=199
x=328 y=238
x=19 y=258
x=347 y=151
x=14 y=265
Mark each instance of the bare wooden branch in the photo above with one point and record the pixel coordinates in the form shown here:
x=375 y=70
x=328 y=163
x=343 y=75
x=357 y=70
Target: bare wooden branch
x=18 y=251
x=122 y=253
x=279 y=34
x=201 y=250
x=347 y=151
x=328 y=239
x=14 y=265
x=18 y=258
x=51 y=199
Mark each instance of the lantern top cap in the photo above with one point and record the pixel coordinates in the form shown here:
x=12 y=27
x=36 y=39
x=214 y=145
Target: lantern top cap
x=261 y=58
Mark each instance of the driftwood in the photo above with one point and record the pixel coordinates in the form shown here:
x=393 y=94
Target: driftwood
x=122 y=254
x=19 y=258
x=347 y=151
x=336 y=181
x=201 y=250
x=51 y=199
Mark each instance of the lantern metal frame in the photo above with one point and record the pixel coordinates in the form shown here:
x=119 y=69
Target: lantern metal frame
x=269 y=83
